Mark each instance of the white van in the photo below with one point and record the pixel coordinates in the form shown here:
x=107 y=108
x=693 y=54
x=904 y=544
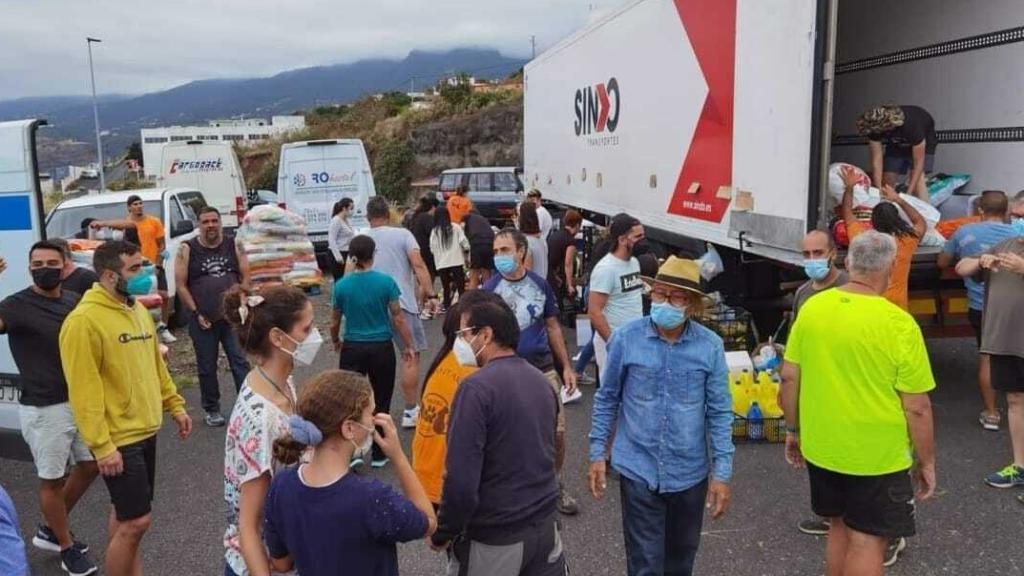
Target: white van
x=210 y=167
x=313 y=175
x=21 y=225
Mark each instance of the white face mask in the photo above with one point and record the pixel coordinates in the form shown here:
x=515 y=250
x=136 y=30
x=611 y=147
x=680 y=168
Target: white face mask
x=362 y=450
x=464 y=353
x=305 y=351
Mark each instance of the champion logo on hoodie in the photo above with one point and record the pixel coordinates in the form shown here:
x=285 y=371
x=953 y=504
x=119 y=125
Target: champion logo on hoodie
x=125 y=338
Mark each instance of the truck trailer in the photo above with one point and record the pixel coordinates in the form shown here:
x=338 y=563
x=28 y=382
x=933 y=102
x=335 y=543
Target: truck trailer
x=715 y=121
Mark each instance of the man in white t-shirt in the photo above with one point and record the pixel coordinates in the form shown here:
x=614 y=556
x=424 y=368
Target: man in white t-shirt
x=616 y=289
x=546 y=223
x=398 y=256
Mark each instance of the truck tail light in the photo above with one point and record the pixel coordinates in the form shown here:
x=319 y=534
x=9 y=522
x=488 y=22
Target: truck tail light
x=240 y=208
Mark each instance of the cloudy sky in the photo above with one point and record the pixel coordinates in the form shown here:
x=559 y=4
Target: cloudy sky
x=152 y=45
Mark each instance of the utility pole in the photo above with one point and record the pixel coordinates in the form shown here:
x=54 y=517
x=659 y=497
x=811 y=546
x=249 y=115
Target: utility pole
x=96 y=115
x=533 y=47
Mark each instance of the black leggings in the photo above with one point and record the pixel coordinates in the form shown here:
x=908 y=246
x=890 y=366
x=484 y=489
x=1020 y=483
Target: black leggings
x=453 y=280
x=376 y=361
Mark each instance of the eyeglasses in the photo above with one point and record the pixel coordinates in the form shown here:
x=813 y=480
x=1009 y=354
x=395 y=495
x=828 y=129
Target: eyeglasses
x=677 y=299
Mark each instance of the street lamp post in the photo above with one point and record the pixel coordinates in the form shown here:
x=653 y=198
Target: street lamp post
x=96 y=115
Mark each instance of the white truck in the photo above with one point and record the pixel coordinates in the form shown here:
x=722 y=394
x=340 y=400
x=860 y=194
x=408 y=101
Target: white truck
x=716 y=120
x=21 y=225
x=212 y=168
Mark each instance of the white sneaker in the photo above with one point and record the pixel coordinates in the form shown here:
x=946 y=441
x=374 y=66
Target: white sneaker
x=410 y=416
x=426 y=315
x=570 y=398
x=165 y=334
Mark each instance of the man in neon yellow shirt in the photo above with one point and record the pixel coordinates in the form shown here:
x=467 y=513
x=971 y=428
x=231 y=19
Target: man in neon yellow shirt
x=854 y=392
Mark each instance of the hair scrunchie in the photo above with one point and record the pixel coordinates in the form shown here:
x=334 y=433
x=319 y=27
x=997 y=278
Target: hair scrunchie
x=304 y=432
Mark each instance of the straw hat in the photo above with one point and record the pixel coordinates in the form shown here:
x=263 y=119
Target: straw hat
x=680 y=273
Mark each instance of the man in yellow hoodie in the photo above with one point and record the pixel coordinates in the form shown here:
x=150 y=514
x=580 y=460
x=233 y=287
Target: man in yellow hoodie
x=118 y=386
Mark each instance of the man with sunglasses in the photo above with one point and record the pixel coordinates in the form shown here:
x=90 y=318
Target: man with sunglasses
x=665 y=408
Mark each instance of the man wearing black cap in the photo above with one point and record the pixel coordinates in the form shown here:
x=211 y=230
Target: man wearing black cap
x=664 y=407
x=153 y=245
x=616 y=289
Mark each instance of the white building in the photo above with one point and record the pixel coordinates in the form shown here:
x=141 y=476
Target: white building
x=242 y=132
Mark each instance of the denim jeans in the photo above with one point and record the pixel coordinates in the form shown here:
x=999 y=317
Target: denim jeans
x=207 y=344
x=586 y=356
x=662 y=531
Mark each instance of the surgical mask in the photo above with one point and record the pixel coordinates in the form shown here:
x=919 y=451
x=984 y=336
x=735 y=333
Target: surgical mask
x=305 y=351
x=464 y=353
x=667 y=316
x=137 y=285
x=46 y=278
x=816 y=269
x=505 y=264
x=1018 y=226
x=362 y=450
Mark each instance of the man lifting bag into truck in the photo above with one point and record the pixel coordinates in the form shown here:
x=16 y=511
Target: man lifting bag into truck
x=908 y=136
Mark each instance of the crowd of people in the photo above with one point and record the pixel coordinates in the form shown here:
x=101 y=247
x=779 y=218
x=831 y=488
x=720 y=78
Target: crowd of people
x=485 y=484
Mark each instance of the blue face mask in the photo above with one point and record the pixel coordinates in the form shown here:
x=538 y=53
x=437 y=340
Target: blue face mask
x=505 y=264
x=140 y=284
x=1018 y=226
x=816 y=269
x=667 y=316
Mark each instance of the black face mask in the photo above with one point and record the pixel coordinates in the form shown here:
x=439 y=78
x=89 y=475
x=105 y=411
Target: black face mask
x=46 y=278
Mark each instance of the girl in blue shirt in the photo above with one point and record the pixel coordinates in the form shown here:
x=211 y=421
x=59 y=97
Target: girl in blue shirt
x=322 y=520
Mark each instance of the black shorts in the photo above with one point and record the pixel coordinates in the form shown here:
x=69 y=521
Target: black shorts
x=974 y=317
x=877 y=505
x=481 y=257
x=161 y=279
x=1007 y=373
x=131 y=492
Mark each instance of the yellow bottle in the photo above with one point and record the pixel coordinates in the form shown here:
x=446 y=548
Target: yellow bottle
x=768 y=397
x=739 y=385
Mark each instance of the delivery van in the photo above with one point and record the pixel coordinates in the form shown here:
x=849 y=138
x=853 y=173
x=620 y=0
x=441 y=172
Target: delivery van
x=213 y=169
x=315 y=174
x=21 y=225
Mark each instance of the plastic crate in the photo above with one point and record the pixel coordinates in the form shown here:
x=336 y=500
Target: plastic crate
x=733 y=324
x=773 y=430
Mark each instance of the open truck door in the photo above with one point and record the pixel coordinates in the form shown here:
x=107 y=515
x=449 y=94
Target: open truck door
x=21 y=225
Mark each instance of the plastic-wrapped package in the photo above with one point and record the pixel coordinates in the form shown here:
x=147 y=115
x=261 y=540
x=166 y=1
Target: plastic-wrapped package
x=275 y=242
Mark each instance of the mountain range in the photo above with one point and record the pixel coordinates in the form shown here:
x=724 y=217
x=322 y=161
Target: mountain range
x=284 y=93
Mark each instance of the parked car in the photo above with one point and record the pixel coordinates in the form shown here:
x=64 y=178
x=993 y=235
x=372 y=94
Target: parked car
x=177 y=208
x=495 y=191
x=261 y=198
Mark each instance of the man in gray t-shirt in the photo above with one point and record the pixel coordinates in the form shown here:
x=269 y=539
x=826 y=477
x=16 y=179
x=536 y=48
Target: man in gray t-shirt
x=1002 y=269
x=616 y=289
x=398 y=256
x=820 y=266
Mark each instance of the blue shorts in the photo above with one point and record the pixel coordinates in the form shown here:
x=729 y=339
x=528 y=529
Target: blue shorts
x=899 y=163
x=419 y=337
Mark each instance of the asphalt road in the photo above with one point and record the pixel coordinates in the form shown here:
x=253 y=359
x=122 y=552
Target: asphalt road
x=968 y=528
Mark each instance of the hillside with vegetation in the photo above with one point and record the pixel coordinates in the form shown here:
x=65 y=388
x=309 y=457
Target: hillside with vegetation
x=461 y=127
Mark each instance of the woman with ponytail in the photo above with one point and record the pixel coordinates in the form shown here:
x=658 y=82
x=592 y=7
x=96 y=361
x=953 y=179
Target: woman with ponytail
x=275 y=328
x=322 y=520
x=369 y=302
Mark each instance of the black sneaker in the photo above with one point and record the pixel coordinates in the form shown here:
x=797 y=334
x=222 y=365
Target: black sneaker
x=893 y=550
x=76 y=563
x=816 y=527
x=45 y=539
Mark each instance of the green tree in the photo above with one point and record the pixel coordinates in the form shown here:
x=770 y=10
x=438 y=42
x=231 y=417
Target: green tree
x=456 y=94
x=396 y=102
x=134 y=152
x=392 y=169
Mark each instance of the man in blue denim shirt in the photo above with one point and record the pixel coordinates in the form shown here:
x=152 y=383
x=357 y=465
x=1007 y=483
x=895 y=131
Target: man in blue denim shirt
x=665 y=389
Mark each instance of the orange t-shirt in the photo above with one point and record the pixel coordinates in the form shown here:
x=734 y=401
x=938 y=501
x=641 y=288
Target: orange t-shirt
x=430 y=444
x=458 y=207
x=150 y=230
x=899 y=278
